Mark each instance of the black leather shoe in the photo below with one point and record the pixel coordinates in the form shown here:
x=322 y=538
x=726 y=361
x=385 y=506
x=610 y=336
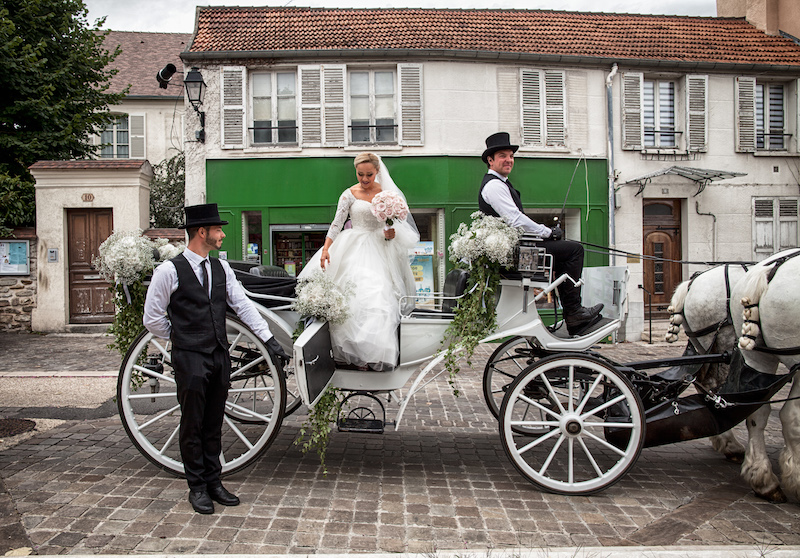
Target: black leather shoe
x=222 y=496
x=201 y=501
x=583 y=318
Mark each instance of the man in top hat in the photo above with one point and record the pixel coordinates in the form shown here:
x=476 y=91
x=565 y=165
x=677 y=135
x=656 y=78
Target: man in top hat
x=186 y=302
x=497 y=197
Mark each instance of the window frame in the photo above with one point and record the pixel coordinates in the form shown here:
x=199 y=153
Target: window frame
x=114 y=144
x=372 y=104
x=762 y=144
x=275 y=97
x=656 y=132
x=779 y=214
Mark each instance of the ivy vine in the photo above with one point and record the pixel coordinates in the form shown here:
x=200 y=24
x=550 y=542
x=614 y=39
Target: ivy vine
x=316 y=429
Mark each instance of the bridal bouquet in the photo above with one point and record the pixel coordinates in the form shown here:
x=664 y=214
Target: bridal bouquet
x=320 y=297
x=388 y=206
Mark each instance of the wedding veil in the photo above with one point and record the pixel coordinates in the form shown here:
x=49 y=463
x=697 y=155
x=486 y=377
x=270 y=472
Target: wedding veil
x=387 y=185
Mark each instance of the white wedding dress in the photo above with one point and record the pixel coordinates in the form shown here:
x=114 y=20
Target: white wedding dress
x=380 y=270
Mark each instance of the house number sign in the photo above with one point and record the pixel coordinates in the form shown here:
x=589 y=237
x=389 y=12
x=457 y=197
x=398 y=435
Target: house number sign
x=87 y=197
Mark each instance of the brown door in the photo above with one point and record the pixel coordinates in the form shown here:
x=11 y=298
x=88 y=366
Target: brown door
x=662 y=243
x=90 y=301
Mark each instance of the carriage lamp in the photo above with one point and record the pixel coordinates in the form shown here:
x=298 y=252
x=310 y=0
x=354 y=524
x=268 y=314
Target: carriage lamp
x=195 y=91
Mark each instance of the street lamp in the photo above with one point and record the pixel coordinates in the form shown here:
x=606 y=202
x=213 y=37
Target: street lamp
x=195 y=91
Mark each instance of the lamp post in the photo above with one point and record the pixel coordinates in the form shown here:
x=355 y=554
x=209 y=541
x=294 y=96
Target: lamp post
x=195 y=91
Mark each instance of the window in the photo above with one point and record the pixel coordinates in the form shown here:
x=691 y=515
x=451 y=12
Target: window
x=658 y=113
x=274 y=108
x=372 y=107
x=775 y=225
x=543 y=108
x=770 y=116
x=123 y=138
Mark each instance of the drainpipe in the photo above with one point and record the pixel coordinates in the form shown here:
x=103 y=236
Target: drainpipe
x=713 y=230
x=611 y=194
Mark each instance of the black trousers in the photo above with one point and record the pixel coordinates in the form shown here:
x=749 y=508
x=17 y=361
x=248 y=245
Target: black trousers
x=202 y=381
x=567 y=258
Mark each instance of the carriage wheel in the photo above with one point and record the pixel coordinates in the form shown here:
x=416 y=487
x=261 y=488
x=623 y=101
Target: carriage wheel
x=148 y=405
x=593 y=426
x=507 y=361
x=293 y=400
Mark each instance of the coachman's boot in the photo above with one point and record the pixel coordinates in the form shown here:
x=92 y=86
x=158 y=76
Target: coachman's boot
x=582 y=318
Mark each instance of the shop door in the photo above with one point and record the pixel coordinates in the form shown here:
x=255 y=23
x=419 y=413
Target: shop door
x=90 y=301
x=662 y=246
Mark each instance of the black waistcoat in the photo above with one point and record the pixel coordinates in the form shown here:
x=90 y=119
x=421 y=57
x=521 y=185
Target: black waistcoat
x=197 y=323
x=488 y=209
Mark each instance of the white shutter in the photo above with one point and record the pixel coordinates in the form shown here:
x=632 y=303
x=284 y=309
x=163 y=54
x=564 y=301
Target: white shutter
x=508 y=107
x=632 y=102
x=233 y=122
x=787 y=223
x=136 y=131
x=763 y=226
x=532 y=133
x=554 y=107
x=310 y=106
x=696 y=113
x=333 y=105
x=745 y=114
x=410 y=78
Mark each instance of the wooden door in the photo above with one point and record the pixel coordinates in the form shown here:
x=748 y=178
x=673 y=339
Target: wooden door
x=90 y=301
x=662 y=248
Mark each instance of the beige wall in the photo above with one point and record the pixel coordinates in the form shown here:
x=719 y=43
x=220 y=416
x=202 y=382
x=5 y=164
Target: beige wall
x=771 y=16
x=125 y=191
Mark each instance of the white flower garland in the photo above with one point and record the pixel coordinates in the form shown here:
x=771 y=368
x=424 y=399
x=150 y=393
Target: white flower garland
x=320 y=297
x=127 y=256
x=486 y=236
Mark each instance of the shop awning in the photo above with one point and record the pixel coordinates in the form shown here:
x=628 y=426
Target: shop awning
x=700 y=176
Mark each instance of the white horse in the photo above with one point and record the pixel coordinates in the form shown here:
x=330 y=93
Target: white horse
x=771 y=319
x=701 y=306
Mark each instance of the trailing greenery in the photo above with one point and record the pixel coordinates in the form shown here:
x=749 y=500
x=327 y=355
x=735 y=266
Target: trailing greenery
x=55 y=83
x=127 y=322
x=316 y=429
x=167 y=192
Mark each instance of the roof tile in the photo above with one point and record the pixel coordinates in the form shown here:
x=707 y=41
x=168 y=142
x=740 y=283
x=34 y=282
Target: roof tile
x=143 y=55
x=540 y=32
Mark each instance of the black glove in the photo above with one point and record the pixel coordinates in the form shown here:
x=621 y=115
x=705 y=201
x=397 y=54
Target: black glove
x=556 y=233
x=276 y=352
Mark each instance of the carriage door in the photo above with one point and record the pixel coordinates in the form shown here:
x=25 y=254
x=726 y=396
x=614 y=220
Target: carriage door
x=90 y=300
x=662 y=239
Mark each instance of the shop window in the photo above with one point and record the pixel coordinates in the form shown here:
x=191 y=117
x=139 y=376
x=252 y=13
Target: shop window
x=252 y=244
x=293 y=246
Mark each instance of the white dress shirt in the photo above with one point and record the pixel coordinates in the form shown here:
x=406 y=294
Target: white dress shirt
x=497 y=194
x=165 y=282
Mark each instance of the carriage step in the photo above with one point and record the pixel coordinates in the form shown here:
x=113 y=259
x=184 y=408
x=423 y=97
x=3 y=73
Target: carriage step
x=368 y=426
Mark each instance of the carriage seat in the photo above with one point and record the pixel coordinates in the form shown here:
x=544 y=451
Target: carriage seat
x=270 y=286
x=455 y=285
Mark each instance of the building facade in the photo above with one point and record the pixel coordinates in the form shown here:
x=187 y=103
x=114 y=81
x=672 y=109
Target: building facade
x=656 y=136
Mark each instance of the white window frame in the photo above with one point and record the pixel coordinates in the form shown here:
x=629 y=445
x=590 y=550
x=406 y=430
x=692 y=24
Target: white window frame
x=136 y=138
x=372 y=96
x=274 y=98
x=659 y=134
x=765 y=115
x=747 y=124
x=543 y=110
x=776 y=225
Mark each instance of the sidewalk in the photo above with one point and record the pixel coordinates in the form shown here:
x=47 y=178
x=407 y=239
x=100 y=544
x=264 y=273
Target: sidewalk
x=442 y=482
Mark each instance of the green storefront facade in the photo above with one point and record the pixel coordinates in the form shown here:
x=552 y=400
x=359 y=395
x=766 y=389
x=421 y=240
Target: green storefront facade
x=280 y=194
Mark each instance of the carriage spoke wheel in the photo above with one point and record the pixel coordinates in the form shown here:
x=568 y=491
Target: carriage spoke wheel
x=592 y=428
x=148 y=404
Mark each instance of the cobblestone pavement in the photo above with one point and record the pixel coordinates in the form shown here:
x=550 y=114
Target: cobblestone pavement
x=442 y=481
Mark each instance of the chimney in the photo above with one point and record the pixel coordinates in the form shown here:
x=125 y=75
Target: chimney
x=771 y=16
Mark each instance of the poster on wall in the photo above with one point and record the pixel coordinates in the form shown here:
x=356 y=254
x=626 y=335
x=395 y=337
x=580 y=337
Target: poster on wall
x=14 y=257
x=422 y=268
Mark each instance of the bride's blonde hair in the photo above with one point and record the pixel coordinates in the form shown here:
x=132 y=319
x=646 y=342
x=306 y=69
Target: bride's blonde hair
x=368 y=158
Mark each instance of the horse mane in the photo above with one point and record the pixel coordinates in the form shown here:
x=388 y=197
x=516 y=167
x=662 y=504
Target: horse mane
x=676 y=311
x=755 y=285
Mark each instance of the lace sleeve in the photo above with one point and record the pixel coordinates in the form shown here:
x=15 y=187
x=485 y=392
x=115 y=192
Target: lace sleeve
x=342 y=211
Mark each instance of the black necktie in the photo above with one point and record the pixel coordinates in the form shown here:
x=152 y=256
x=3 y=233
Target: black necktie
x=205 y=277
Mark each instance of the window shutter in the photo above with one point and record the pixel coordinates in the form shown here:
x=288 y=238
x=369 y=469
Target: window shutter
x=696 y=113
x=310 y=106
x=632 y=128
x=136 y=130
x=555 y=113
x=508 y=106
x=333 y=105
x=787 y=224
x=763 y=226
x=233 y=124
x=531 y=108
x=746 y=114
x=411 y=127
x=797 y=115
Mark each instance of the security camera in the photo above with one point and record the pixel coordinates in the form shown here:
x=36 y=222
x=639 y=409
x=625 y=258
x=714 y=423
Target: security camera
x=165 y=75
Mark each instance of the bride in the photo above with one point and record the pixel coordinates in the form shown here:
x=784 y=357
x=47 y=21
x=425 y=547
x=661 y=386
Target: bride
x=376 y=261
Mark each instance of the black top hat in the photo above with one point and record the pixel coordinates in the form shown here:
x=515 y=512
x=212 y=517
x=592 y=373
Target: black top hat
x=204 y=215
x=496 y=142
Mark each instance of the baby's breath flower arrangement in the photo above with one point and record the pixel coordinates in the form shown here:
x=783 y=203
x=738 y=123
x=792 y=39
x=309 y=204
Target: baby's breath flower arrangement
x=319 y=296
x=126 y=258
x=483 y=247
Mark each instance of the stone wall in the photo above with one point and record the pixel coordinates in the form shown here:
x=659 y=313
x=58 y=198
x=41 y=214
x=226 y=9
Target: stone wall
x=18 y=292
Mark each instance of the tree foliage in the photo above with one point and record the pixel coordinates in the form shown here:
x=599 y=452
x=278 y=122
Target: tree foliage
x=167 y=192
x=17 y=197
x=55 y=84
